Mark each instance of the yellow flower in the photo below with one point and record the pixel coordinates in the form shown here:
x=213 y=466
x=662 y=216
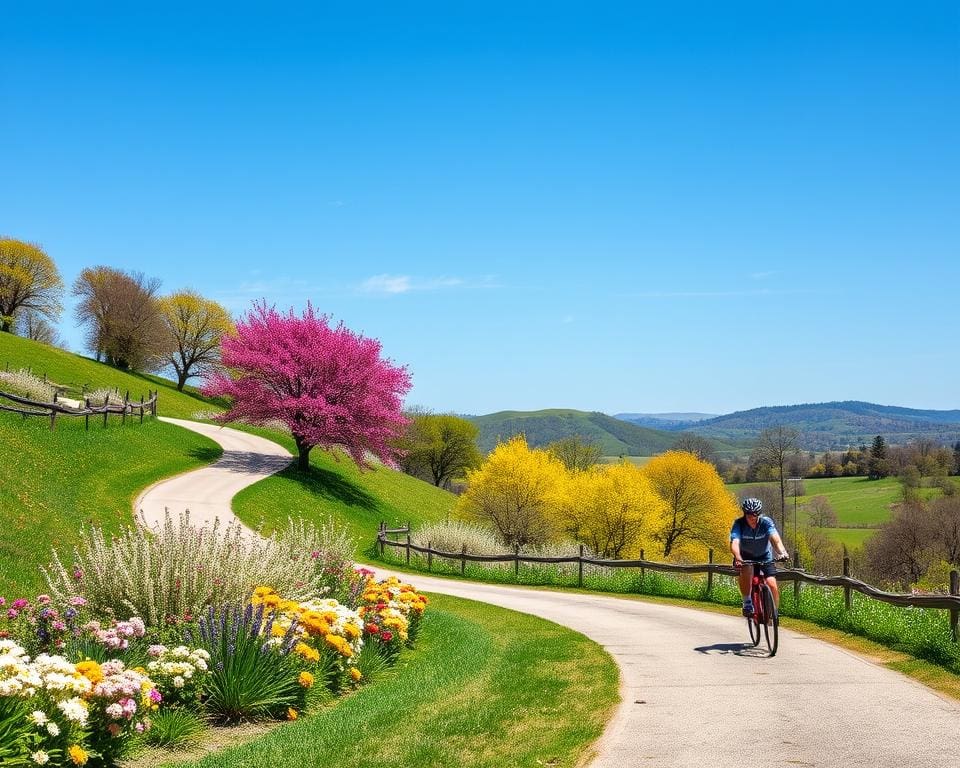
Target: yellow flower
x=305 y=679
x=277 y=631
x=262 y=591
x=291 y=713
x=305 y=651
x=90 y=670
x=355 y=674
x=77 y=754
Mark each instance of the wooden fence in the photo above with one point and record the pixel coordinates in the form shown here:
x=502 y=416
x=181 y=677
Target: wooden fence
x=27 y=407
x=796 y=574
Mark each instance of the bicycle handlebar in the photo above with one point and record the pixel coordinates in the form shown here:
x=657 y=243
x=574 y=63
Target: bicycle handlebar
x=764 y=562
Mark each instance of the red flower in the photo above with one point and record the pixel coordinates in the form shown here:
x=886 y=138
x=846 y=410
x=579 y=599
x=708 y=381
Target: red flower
x=372 y=628
x=386 y=636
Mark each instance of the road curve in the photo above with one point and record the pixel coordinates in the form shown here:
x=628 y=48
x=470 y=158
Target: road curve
x=694 y=695
x=207 y=492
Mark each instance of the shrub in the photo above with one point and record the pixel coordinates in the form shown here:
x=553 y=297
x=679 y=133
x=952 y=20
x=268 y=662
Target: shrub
x=175 y=728
x=27 y=385
x=174 y=574
x=250 y=677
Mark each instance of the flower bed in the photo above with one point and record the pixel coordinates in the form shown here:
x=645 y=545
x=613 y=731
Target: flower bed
x=81 y=686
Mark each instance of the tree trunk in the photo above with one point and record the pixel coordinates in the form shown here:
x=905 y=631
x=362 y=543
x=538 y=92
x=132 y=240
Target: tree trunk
x=5 y=326
x=303 y=456
x=181 y=380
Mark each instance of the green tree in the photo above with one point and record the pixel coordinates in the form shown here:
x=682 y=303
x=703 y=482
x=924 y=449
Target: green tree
x=438 y=447
x=877 y=466
x=29 y=280
x=576 y=452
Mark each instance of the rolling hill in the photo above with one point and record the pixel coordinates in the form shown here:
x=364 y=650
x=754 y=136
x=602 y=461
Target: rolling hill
x=614 y=436
x=836 y=425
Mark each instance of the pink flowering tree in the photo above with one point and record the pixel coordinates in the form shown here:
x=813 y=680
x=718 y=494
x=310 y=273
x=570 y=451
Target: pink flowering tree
x=329 y=385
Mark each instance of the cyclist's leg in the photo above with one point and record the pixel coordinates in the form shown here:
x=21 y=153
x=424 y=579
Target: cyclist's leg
x=772 y=583
x=745 y=580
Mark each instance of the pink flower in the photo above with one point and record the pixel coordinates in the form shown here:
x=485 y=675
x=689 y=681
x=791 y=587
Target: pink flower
x=21 y=603
x=77 y=602
x=78 y=574
x=43 y=599
x=12 y=613
x=3 y=601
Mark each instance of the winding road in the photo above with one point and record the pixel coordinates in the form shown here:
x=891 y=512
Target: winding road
x=694 y=694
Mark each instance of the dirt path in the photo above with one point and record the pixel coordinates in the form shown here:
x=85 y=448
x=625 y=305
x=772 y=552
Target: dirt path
x=694 y=695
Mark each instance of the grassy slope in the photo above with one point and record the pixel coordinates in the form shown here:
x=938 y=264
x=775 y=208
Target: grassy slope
x=487 y=687
x=52 y=483
x=76 y=371
x=337 y=489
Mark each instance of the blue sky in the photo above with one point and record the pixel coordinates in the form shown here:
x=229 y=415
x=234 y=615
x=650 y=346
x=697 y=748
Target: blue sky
x=661 y=207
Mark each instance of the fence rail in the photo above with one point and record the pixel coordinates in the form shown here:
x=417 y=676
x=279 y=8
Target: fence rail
x=797 y=575
x=25 y=406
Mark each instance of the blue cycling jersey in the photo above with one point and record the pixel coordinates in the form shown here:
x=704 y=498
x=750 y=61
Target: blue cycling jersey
x=754 y=542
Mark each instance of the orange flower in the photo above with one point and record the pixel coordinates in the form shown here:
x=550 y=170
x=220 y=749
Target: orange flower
x=291 y=713
x=90 y=670
x=305 y=679
x=355 y=674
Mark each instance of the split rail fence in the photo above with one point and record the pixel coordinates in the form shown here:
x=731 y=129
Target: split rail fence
x=797 y=575
x=27 y=407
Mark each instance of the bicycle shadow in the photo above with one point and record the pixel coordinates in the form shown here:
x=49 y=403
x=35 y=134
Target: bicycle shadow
x=748 y=650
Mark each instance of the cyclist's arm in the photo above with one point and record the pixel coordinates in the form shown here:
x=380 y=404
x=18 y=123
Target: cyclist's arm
x=735 y=551
x=779 y=551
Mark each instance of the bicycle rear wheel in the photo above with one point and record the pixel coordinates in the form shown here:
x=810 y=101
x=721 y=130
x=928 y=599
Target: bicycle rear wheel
x=771 y=624
x=752 y=621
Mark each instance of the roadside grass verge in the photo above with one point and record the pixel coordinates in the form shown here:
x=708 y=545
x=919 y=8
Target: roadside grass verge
x=922 y=634
x=357 y=500
x=486 y=687
x=52 y=483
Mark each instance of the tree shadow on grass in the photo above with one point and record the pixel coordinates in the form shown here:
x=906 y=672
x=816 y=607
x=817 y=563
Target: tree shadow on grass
x=330 y=485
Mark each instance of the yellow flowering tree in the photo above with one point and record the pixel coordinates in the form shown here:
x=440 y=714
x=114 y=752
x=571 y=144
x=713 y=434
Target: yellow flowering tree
x=29 y=282
x=611 y=509
x=698 y=509
x=196 y=326
x=516 y=490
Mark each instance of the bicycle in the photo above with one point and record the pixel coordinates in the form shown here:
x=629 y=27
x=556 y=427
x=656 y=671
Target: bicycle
x=764 y=609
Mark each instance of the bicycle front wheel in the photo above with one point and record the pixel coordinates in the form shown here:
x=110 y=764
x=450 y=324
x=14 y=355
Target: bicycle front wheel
x=771 y=625
x=753 y=623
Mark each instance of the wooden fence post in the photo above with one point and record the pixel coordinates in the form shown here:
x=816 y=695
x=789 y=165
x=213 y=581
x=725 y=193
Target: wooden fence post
x=53 y=417
x=141 y=409
x=86 y=416
x=954 y=613
x=643 y=571
x=408 y=548
x=847 y=593
x=106 y=402
x=429 y=555
x=463 y=560
x=516 y=561
x=580 y=567
x=123 y=415
x=796 y=582
x=710 y=572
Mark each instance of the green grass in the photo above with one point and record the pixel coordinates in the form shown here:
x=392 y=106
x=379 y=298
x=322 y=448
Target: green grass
x=76 y=371
x=54 y=482
x=851 y=538
x=486 y=687
x=338 y=489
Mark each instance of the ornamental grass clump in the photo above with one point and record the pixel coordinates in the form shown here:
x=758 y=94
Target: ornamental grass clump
x=27 y=385
x=172 y=575
x=252 y=674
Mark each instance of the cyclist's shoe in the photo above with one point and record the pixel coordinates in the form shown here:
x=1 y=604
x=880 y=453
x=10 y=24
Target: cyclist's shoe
x=748 y=608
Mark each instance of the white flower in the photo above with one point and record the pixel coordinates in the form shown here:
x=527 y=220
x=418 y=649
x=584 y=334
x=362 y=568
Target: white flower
x=38 y=717
x=40 y=757
x=53 y=729
x=75 y=710
x=178 y=682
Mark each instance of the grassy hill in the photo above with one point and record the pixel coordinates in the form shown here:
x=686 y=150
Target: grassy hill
x=54 y=482
x=76 y=372
x=837 y=424
x=615 y=437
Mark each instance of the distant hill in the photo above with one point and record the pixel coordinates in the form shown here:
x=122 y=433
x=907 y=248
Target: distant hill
x=614 y=436
x=669 y=421
x=836 y=425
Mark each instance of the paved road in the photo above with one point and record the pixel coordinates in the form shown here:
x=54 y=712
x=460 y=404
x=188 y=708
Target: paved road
x=693 y=694
x=207 y=492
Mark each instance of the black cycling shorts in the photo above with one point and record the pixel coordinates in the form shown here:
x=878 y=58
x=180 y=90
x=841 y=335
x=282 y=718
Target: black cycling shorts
x=767 y=569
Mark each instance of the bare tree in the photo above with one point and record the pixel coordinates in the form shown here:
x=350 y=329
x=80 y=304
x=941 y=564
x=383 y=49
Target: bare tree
x=901 y=551
x=576 y=452
x=31 y=325
x=698 y=445
x=774 y=446
x=820 y=513
x=122 y=317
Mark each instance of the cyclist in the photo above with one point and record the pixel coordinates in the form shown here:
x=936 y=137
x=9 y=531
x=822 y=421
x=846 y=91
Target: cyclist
x=755 y=537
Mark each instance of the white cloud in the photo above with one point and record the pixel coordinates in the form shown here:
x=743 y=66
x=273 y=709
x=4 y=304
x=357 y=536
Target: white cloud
x=393 y=284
